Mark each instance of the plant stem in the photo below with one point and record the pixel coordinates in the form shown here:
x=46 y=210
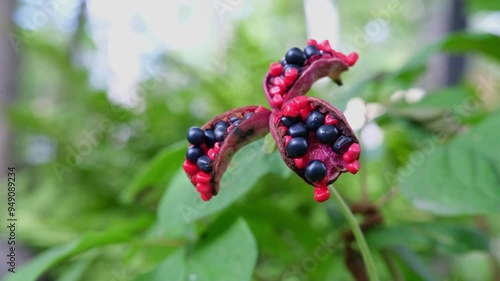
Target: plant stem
x=360 y=239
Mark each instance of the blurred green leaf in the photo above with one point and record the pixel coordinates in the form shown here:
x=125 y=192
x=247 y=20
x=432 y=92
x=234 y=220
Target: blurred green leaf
x=454 y=239
x=37 y=266
x=76 y=271
x=483 y=5
x=230 y=255
x=483 y=43
x=413 y=261
x=462 y=177
x=181 y=203
x=158 y=172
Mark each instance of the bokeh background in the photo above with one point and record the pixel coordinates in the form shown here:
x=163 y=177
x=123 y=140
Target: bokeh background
x=97 y=96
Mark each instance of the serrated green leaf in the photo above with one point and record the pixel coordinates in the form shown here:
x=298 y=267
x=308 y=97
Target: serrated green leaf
x=462 y=177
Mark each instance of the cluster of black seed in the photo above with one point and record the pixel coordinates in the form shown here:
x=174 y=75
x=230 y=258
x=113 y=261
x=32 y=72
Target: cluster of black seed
x=327 y=134
x=296 y=58
x=204 y=140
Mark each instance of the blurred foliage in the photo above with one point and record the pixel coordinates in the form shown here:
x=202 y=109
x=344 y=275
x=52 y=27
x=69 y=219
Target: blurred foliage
x=111 y=202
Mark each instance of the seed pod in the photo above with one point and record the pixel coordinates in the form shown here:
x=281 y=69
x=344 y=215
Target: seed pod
x=249 y=124
x=337 y=158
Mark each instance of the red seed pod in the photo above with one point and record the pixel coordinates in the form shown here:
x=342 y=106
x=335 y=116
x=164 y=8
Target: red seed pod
x=313 y=137
x=232 y=130
x=331 y=63
x=328 y=144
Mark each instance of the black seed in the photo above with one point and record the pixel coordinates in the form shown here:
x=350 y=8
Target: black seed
x=342 y=144
x=222 y=124
x=219 y=133
x=314 y=120
x=299 y=69
x=283 y=62
x=204 y=163
x=297 y=147
x=327 y=134
x=196 y=136
x=298 y=130
x=288 y=121
x=295 y=56
x=233 y=119
x=315 y=171
x=193 y=153
x=209 y=138
x=237 y=122
x=248 y=115
x=310 y=51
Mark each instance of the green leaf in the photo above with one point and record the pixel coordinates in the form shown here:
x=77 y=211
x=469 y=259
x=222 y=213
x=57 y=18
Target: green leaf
x=485 y=44
x=413 y=261
x=448 y=238
x=37 y=266
x=157 y=172
x=462 y=177
x=483 y=5
x=230 y=255
x=181 y=204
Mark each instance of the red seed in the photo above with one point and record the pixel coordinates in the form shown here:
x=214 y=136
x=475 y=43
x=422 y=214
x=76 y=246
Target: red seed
x=275 y=69
x=299 y=162
x=277 y=100
x=305 y=112
x=353 y=167
x=330 y=120
x=278 y=81
x=217 y=147
x=202 y=177
x=260 y=108
x=313 y=43
x=287 y=139
x=325 y=46
x=190 y=168
x=291 y=75
x=352 y=58
x=206 y=196
x=300 y=102
x=275 y=91
x=290 y=110
x=354 y=149
x=211 y=154
x=321 y=193
x=203 y=188
x=348 y=157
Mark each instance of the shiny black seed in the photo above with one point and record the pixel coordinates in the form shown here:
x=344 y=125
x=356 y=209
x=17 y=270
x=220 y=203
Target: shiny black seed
x=315 y=171
x=193 y=153
x=310 y=51
x=209 y=138
x=248 y=115
x=283 y=62
x=196 y=136
x=314 y=120
x=204 y=163
x=298 y=130
x=295 y=56
x=289 y=121
x=233 y=119
x=237 y=122
x=297 y=147
x=222 y=124
x=219 y=133
x=327 y=134
x=299 y=69
x=342 y=144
